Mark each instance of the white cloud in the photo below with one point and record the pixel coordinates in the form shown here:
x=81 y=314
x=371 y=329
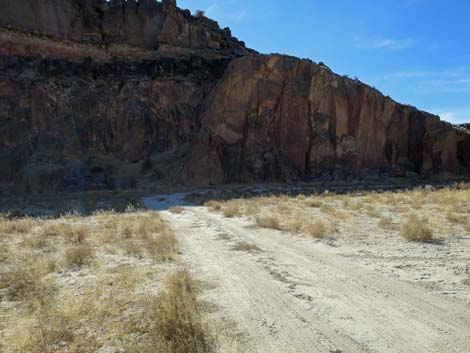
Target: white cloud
x=456 y=115
x=384 y=43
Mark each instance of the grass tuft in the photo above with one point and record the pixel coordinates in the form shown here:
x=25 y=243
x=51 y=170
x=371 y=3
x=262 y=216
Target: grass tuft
x=176 y=209
x=316 y=229
x=79 y=256
x=173 y=321
x=271 y=222
x=416 y=229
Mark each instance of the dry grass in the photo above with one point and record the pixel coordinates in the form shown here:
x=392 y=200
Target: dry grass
x=174 y=323
x=386 y=223
x=213 y=205
x=79 y=256
x=457 y=218
x=356 y=214
x=232 y=209
x=120 y=303
x=16 y=225
x=176 y=209
x=416 y=229
x=316 y=230
x=271 y=222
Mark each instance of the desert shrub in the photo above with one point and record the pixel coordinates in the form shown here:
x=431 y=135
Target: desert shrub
x=16 y=225
x=36 y=242
x=54 y=327
x=456 y=218
x=314 y=202
x=200 y=14
x=52 y=228
x=161 y=247
x=315 y=229
x=174 y=323
x=295 y=225
x=23 y=282
x=213 y=205
x=176 y=209
x=75 y=234
x=416 y=229
x=372 y=211
x=270 y=221
x=232 y=209
x=79 y=256
x=4 y=253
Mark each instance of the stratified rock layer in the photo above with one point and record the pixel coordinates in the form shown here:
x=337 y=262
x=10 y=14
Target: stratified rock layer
x=110 y=95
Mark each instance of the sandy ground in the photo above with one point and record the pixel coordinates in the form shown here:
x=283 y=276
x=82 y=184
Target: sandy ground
x=294 y=294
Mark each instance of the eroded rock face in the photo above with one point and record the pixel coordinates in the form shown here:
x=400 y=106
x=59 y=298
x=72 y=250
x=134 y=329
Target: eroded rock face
x=145 y=24
x=92 y=118
x=111 y=95
x=280 y=118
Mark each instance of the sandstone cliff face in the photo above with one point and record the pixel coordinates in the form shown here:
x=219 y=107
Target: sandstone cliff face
x=109 y=95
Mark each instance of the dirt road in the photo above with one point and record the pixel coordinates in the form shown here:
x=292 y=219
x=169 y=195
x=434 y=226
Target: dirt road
x=289 y=296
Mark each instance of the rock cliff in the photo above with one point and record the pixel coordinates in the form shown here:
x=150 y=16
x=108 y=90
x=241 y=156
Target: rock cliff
x=97 y=94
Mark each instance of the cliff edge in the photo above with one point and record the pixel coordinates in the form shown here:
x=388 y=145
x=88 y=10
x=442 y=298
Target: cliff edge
x=97 y=94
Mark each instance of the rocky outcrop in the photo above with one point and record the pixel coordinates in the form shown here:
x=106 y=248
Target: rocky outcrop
x=145 y=24
x=279 y=118
x=98 y=94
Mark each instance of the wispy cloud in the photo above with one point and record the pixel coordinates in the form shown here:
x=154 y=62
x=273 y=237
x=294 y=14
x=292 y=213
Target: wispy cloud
x=456 y=115
x=450 y=80
x=383 y=43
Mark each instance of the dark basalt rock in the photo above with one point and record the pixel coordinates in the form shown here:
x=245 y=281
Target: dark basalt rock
x=97 y=94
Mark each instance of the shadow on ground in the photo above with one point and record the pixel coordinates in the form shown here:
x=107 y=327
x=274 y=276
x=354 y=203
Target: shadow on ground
x=161 y=199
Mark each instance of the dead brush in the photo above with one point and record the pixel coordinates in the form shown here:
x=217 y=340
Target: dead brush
x=161 y=247
x=52 y=228
x=173 y=322
x=54 y=326
x=232 y=209
x=213 y=205
x=386 y=223
x=79 y=256
x=4 y=253
x=316 y=229
x=295 y=224
x=457 y=218
x=416 y=229
x=16 y=225
x=270 y=221
x=23 y=282
x=36 y=242
x=176 y=209
x=75 y=234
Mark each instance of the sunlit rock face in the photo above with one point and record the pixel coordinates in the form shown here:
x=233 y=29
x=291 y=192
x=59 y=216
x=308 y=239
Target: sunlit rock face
x=278 y=117
x=97 y=94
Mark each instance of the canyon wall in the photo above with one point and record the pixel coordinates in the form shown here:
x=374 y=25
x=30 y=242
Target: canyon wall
x=112 y=95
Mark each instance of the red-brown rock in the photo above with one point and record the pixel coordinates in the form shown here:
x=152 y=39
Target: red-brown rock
x=97 y=94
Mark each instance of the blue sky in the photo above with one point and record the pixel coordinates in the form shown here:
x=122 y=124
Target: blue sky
x=417 y=51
